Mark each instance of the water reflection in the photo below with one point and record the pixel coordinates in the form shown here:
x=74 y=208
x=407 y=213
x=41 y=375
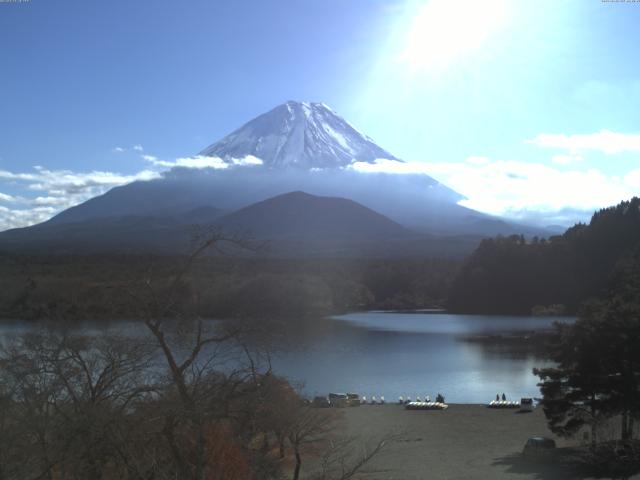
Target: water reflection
x=394 y=354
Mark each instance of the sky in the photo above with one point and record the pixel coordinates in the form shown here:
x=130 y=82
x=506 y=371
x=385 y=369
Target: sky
x=529 y=109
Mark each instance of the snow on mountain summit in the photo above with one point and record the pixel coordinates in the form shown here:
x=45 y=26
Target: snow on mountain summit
x=299 y=134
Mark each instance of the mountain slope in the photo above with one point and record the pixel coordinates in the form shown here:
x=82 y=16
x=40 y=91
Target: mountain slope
x=299 y=134
x=302 y=147
x=295 y=224
x=304 y=215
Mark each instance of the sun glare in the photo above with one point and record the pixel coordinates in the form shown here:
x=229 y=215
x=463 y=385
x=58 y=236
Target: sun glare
x=445 y=30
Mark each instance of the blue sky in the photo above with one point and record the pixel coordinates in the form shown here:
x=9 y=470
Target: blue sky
x=527 y=108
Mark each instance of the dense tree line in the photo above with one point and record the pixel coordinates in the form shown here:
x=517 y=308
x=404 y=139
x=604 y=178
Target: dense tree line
x=515 y=275
x=595 y=382
x=94 y=286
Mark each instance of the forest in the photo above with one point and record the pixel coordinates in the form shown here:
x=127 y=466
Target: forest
x=516 y=275
x=93 y=287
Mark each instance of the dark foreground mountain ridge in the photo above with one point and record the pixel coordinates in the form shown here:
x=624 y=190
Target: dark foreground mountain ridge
x=292 y=224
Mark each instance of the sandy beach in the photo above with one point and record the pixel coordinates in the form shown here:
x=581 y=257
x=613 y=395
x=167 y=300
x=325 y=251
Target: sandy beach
x=463 y=442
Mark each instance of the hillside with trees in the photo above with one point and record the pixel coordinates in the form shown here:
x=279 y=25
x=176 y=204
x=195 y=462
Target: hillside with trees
x=593 y=388
x=514 y=275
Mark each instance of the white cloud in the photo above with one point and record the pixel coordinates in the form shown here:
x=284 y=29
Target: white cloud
x=118 y=149
x=478 y=160
x=633 y=179
x=519 y=189
x=604 y=141
x=14 y=218
x=566 y=159
x=7 y=198
x=62 y=189
x=138 y=148
x=73 y=182
x=246 y=161
x=384 y=165
x=509 y=188
x=49 y=201
x=201 y=161
x=189 y=162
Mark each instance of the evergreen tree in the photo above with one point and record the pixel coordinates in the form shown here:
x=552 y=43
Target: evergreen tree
x=576 y=391
x=511 y=275
x=598 y=361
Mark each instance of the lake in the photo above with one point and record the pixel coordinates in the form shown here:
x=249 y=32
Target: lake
x=392 y=354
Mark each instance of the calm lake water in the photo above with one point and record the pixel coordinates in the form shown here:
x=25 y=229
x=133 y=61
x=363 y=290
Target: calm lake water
x=392 y=354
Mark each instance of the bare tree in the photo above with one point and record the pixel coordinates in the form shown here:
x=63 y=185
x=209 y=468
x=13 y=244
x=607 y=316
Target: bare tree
x=347 y=456
x=70 y=395
x=307 y=428
x=191 y=399
x=315 y=432
x=210 y=370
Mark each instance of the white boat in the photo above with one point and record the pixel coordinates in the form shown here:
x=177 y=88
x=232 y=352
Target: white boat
x=426 y=406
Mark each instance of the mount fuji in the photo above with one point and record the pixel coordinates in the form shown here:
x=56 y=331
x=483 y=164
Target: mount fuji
x=299 y=134
x=295 y=147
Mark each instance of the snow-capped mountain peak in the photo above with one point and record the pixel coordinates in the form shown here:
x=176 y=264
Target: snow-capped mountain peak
x=299 y=134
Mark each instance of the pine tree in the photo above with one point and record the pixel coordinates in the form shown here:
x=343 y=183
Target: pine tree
x=598 y=361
